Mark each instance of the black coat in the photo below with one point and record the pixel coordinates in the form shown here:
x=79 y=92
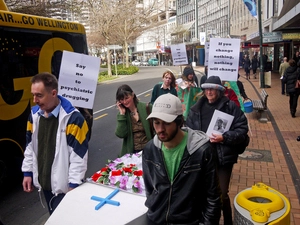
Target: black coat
x=254 y=63
x=227 y=154
x=247 y=63
x=194 y=194
x=290 y=76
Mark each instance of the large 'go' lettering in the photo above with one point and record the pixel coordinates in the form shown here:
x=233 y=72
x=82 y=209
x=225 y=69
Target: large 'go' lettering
x=47 y=51
x=9 y=112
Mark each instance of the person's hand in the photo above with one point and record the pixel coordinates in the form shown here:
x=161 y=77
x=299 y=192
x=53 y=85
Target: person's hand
x=27 y=184
x=121 y=108
x=216 y=138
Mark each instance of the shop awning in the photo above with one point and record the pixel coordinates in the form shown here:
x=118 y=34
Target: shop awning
x=183 y=28
x=151 y=50
x=289 y=17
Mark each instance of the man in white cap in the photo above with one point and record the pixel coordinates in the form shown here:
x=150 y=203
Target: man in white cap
x=179 y=169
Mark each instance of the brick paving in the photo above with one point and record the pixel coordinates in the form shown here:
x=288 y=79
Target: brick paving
x=278 y=137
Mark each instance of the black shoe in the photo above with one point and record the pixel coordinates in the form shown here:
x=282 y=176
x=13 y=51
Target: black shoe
x=283 y=93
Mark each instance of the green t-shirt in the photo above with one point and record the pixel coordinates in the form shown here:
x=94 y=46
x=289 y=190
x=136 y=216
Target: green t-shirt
x=173 y=157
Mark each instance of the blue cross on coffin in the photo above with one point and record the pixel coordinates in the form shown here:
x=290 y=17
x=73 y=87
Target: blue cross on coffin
x=106 y=200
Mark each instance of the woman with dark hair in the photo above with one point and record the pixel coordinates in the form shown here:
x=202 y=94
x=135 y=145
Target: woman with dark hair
x=189 y=77
x=132 y=125
x=168 y=86
x=190 y=70
x=290 y=77
x=226 y=143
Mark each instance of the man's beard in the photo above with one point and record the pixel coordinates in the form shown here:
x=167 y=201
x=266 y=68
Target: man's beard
x=171 y=137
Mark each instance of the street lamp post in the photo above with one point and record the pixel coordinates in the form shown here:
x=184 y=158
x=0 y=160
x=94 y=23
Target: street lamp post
x=262 y=75
x=196 y=20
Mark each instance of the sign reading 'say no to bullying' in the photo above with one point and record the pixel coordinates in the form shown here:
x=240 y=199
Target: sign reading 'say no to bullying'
x=78 y=78
x=224 y=58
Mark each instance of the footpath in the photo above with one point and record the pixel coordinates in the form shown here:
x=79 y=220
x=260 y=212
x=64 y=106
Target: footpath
x=272 y=156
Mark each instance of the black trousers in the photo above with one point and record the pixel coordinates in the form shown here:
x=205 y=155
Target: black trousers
x=293 y=101
x=282 y=87
x=52 y=200
x=224 y=173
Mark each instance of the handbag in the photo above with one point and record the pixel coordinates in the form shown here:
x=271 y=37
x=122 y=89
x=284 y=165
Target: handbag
x=297 y=84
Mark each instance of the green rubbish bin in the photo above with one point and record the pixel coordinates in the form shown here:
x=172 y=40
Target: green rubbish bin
x=261 y=205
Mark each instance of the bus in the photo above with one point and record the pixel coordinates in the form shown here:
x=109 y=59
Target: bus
x=28 y=45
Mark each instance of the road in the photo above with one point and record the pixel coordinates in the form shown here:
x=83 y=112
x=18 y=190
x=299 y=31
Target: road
x=20 y=208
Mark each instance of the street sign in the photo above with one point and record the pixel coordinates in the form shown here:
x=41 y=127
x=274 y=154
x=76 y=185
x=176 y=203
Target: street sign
x=272 y=37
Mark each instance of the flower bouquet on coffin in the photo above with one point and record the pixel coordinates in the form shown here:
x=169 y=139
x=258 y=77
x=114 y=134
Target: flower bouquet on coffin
x=124 y=173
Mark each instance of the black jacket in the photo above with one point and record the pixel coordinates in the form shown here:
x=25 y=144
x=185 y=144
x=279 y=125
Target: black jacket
x=290 y=76
x=194 y=195
x=227 y=154
x=254 y=63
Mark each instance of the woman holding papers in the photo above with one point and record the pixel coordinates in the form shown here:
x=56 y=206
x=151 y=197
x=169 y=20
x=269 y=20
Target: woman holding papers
x=199 y=118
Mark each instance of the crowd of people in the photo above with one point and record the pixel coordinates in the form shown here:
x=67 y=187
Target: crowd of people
x=186 y=170
x=178 y=142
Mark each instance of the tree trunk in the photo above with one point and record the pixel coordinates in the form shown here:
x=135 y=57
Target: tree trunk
x=109 y=73
x=126 y=54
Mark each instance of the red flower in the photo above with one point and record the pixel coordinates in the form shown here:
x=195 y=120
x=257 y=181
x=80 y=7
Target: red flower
x=104 y=169
x=138 y=173
x=132 y=165
x=96 y=176
x=127 y=169
x=116 y=173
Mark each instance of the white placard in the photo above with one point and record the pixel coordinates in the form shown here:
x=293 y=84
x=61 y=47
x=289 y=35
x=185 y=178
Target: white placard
x=78 y=78
x=202 y=38
x=220 y=123
x=224 y=58
x=206 y=53
x=179 y=54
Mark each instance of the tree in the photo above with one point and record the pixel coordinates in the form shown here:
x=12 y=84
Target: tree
x=103 y=22
x=120 y=22
x=133 y=19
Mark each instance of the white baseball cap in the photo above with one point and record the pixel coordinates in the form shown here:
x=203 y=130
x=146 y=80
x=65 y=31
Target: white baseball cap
x=166 y=107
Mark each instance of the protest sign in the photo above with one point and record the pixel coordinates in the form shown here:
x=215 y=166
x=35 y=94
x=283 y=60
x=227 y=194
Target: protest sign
x=224 y=58
x=179 y=54
x=78 y=78
x=206 y=49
